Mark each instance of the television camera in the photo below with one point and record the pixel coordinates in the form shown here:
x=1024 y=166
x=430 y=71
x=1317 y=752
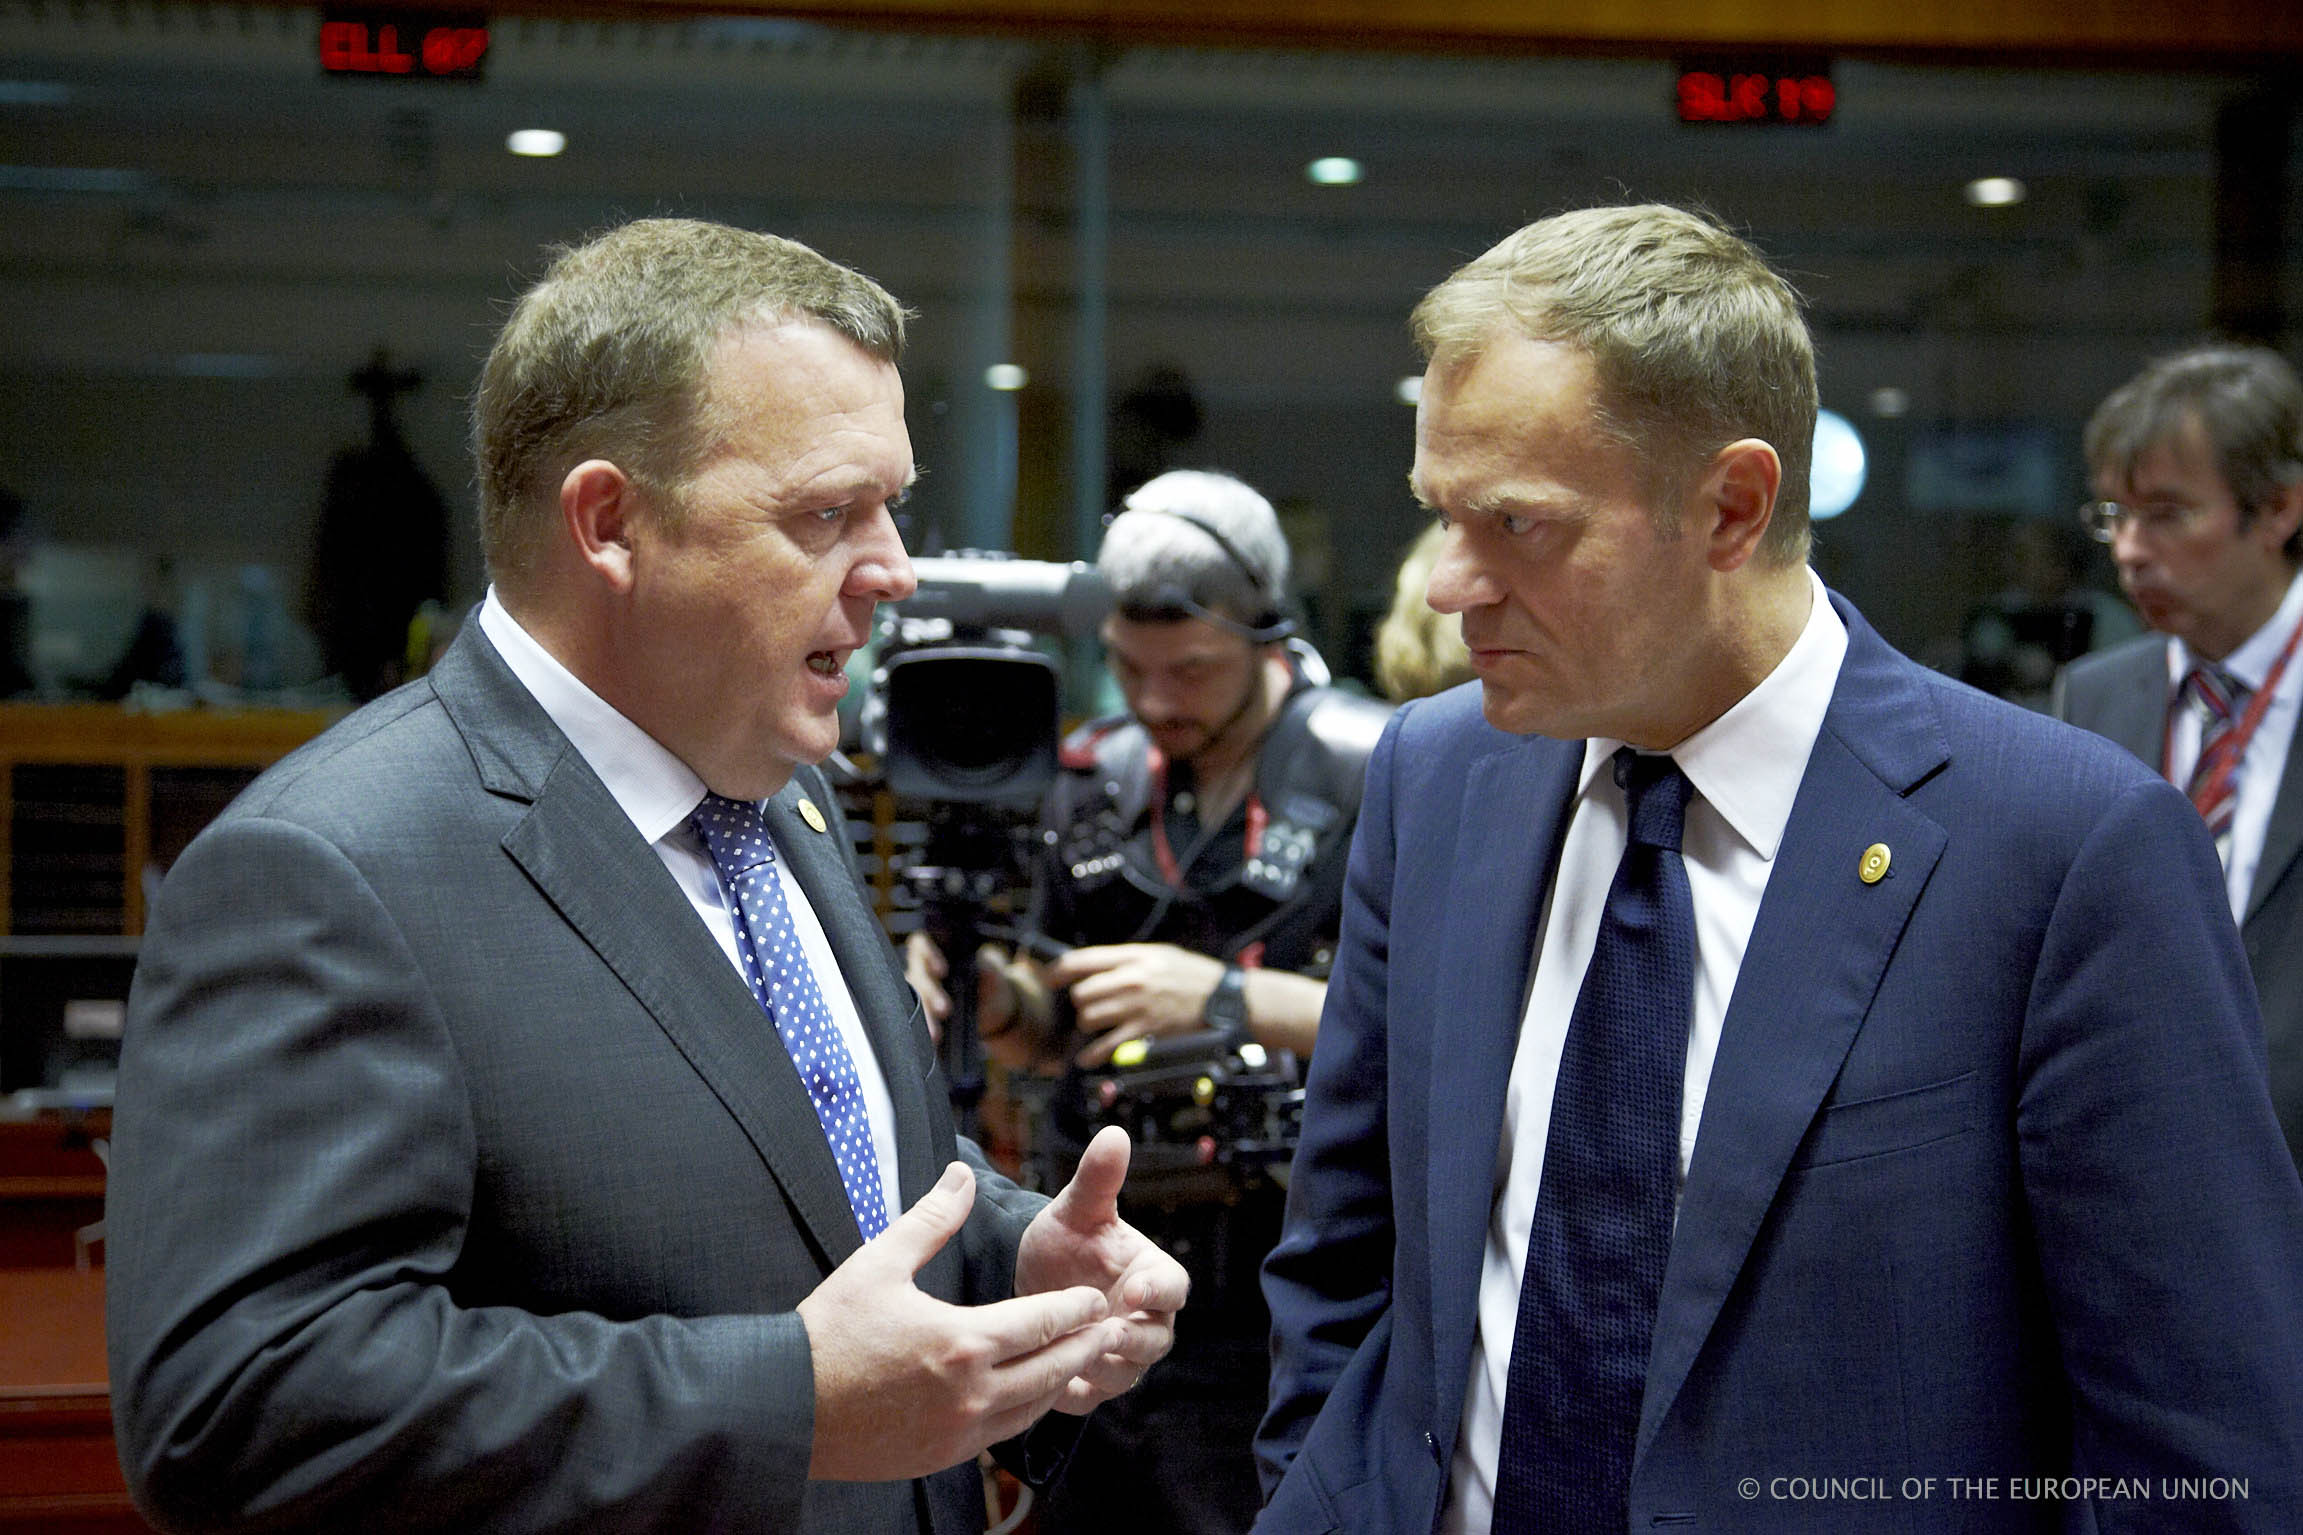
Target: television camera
x=965 y=714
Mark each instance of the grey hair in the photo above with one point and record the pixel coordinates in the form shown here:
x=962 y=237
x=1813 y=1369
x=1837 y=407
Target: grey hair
x=605 y=357
x=1156 y=550
x=1696 y=341
x=2246 y=400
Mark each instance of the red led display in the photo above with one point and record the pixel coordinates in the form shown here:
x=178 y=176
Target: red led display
x=1753 y=91
x=408 y=45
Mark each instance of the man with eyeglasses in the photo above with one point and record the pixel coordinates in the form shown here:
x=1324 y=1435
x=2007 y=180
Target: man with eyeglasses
x=2199 y=460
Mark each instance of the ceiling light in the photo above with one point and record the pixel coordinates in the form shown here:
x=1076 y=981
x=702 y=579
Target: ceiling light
x=537 y=143
x=1333 y=171
x=1836 y=476
x=1887 y=400
x=1006 y=377
x=1409 y=390
x=1995 y=191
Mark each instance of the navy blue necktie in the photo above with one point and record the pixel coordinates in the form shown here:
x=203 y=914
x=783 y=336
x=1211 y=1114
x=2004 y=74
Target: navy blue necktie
x=1603 y=1210
x=736 y=835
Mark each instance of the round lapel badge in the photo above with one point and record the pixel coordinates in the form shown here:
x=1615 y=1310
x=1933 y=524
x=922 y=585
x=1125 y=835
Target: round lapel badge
x=810 y=814
x=1873 y=868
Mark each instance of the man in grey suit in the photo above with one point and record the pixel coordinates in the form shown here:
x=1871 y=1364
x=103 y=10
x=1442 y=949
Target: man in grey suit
x=515 y=1077
x=2199 y=463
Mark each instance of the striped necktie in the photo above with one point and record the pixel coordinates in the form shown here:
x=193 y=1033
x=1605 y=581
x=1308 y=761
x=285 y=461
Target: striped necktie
x=2220 y=699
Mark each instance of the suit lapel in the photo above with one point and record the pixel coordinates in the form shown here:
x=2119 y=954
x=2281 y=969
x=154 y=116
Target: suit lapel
x=2134 y=713
x=883 y=1000
x=2283 y=837
x=2134 y=705
x=583 y=854
x=1514 y=809
x=1821 y=944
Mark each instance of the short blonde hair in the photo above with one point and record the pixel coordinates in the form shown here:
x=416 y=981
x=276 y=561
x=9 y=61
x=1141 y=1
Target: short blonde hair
x=1419 y=651
x=1697 y=342
x=605 y=358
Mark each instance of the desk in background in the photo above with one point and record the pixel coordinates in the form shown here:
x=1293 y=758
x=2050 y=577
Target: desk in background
x=58 y=1471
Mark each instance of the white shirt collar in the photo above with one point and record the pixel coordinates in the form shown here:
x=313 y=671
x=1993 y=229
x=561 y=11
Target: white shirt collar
x=2251 y=662
x=656 y=789
x=1747 y=764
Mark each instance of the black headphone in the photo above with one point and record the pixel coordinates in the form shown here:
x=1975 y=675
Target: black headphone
x=1269 y=629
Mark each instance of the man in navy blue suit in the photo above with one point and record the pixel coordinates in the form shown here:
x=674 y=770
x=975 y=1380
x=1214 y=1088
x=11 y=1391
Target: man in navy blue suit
x=1763 y=1085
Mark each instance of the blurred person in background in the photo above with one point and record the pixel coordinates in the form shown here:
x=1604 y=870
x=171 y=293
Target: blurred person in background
x=1190 y=868
x=2198 y=461
x=1419 y=651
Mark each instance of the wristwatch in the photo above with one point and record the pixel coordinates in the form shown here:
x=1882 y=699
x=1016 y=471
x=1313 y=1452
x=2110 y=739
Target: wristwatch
x=1226 y=1010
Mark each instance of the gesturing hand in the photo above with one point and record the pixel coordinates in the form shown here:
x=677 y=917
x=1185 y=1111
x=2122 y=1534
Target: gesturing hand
x=1080 y=1240
x=1124 y=991
x=907 y=1384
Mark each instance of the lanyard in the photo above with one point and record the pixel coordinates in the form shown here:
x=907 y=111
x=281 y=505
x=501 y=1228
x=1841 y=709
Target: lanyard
x=1171 y=870
x=2243 y=733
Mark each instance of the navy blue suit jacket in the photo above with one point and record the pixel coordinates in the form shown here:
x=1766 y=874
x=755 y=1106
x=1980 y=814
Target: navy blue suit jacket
x=1987 y=1184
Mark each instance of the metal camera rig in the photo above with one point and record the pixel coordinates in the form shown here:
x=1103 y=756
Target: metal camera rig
x=964 y=712
x=1211 y=1115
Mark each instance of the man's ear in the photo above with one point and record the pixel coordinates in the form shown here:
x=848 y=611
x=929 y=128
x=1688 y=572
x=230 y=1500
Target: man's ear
x=2283 y=514
x=1736 y=500
x=598 y=503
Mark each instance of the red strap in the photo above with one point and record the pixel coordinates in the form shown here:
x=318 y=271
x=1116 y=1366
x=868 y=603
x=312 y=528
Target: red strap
x=2234 y=745
x=1257 y=819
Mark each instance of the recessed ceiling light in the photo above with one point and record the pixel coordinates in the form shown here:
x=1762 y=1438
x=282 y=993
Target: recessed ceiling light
x=1007 y=377
x=1995 y=191
x=537 y=143
x=1887 y=400
x=1333 y=171
x=1409 y=390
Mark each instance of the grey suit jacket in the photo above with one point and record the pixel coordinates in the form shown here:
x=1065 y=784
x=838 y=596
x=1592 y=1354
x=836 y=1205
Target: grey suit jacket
x=458 y=1181
x=2122 y=694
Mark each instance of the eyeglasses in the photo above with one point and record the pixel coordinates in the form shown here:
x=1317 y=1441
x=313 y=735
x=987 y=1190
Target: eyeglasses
x=2104 y=519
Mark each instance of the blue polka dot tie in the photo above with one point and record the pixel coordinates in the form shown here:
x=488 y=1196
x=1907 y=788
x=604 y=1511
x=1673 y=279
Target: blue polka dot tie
x=736 y=836
x=1603 y=1211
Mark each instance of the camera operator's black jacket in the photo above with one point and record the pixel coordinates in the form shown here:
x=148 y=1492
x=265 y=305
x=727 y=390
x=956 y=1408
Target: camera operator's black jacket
x=1097 y=876
x=1264 y=889
x=1174 y=1453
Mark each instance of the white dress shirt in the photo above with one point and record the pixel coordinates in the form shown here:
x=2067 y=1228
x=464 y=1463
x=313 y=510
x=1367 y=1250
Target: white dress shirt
x=1746 y=767
x=659 y=792
x=2266 y=760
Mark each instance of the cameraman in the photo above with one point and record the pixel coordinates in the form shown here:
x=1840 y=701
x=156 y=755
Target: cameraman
x=1192 y=852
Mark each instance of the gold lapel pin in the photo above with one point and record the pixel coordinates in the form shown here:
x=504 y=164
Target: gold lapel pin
x=815 y=818
x=1873 y=869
